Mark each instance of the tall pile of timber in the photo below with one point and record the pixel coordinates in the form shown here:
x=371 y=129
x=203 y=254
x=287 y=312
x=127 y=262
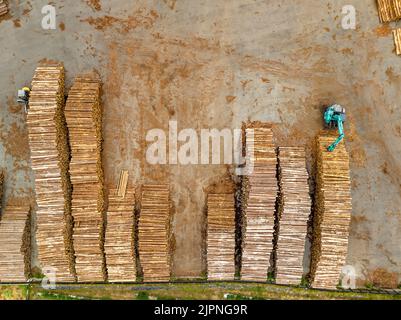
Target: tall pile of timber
x=15 y=238
x=333 y=214
x=220 y=237
x=293 y=215
x=119 y=241
x=154 y=233
x=50 y=158
x=389 y=10
x=259 y=193
x=3 y=8
x=84 y=119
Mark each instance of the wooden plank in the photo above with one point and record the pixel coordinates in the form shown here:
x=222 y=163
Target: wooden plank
x=123 y=183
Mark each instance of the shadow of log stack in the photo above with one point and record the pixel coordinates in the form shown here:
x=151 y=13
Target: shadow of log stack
x=84 y=119
x=154 y=233
x=221 y=237
x=389 y=10
x=259 y=193
x=49 y=157
x=119 y=240
x=3 y=8
x=15 y=243
x=293 y=212
x=332 y=216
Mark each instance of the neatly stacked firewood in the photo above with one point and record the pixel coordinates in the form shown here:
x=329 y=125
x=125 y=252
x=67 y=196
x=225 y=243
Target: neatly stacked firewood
x=154 y=233
x=119 y=242
x=49 y=158
x=15 y=244
x=397 y=40
x=333 y=214
x=293 y=214
x=389 y=10
x=220 y=237
x=84 y=119
x=3 y=7
x=259 y=193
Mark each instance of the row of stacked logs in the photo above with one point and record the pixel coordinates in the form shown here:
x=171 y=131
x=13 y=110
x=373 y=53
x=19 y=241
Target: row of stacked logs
x=220 y=237
x=389 y=10
x=333 y=214
x=259 y=193
x=83 y=113
x=293 y=214
x=50 y=160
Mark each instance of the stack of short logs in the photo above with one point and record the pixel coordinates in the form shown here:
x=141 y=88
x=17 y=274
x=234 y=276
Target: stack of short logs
x=293 y=214
x=220 y=237
x=333 y=214
x=50 y=158
x=259 y=193
x=15 y=243
x=154 y=233
x=389 y=10
x=3 y=8
x=84 y=119
x=119 y=242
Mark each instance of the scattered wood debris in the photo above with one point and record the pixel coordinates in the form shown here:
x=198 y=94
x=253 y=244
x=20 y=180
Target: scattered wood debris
x=333 y=214
x=84 y=119
x=293 y=215
x=123 y=183
x=397 y=40
x=15 y=244
x=3 y=8
x=221 y=237
x=259 y=193
x=389 y=10
x=119 y=240
x=154 y=233
x=50 y=157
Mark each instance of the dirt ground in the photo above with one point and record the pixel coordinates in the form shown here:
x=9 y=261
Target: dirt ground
x=215 y=64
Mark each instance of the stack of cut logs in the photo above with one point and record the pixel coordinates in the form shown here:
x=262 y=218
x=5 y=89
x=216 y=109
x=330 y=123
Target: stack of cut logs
x=15 y=244
x=293 y=215
x=259 y=193
x=221 y=237
x=3 y=7
x=389 y=10
x=333 y=215
x=49 y=158
x=119 y=241
x=154 y=233
x=84 y=119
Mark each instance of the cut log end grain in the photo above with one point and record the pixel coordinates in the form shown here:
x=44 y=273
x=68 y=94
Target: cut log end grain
x=221 y=237
x=331 y=218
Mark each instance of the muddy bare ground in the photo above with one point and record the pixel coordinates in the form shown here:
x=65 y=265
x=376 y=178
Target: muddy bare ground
x=215 y=64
